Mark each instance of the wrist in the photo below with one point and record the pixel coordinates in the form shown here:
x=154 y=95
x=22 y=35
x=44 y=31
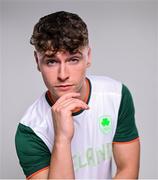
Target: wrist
x=62 y=141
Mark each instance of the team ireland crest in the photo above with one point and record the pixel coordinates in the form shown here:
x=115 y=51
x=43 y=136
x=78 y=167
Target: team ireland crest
x=105 y=124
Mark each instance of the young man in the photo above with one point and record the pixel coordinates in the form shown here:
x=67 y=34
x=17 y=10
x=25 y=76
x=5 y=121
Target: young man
x=73 y=129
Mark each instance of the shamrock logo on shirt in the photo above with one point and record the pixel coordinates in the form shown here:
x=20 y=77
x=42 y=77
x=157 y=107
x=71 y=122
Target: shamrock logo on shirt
x=105 y=124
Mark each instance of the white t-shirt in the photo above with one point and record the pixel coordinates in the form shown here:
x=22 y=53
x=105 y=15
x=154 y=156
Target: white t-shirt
x=110 y=118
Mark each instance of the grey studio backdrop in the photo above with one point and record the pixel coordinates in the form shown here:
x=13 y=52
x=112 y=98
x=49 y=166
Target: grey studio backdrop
x=124 y=41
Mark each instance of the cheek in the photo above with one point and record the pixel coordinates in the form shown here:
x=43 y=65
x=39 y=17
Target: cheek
x=48 y=73
x=79 y=74
x=48 y=77
x=81 y=68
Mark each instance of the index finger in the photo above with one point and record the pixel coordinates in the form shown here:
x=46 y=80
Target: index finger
x=67 y=96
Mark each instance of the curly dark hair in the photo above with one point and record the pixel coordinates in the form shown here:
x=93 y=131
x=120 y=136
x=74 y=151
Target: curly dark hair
x=60 y=31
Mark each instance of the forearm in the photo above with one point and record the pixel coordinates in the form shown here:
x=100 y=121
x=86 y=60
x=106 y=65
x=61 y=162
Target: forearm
x=61 y=165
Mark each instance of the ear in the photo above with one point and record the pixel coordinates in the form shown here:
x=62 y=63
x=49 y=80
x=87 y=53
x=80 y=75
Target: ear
x=37 y=60
x=89 y=57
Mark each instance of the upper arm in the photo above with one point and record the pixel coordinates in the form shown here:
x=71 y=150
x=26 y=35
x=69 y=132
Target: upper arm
x=126 y=145
x=127 y=156
x=126 y=129
x=33 y=153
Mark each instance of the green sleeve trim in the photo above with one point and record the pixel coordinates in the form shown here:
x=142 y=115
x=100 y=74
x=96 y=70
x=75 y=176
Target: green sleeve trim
x=32 y=152
x=126 y=129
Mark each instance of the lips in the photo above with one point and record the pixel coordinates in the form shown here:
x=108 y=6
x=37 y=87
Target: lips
x=64 y=87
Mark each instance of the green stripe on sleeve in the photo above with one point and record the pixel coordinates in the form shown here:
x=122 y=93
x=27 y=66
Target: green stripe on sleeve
x=126 y=128
x=32 y=152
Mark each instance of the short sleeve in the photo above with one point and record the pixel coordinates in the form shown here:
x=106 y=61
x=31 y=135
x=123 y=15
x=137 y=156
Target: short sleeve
x=32 y=152
x=126 y=129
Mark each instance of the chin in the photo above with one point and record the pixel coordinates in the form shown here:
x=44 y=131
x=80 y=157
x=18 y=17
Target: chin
x=59 y=94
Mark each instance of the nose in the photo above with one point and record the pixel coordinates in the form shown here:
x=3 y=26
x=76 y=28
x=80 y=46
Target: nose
x=63 y=72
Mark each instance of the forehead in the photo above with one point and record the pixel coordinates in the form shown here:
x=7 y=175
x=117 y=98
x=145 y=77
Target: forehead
x=51 y=53
x=61 y=52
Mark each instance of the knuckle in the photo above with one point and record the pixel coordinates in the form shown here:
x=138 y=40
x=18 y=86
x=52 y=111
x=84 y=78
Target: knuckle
x=58 y=110
x=55 y=109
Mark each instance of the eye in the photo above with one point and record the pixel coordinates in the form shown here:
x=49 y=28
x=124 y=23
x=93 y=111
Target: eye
x=74 y=60
x=51 y=62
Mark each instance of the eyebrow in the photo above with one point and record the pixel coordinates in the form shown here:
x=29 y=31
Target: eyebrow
x=70 y=56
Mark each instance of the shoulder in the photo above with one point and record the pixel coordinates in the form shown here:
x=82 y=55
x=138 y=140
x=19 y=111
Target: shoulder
x=126 y=127
x=34 y=114
x=105 y=84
